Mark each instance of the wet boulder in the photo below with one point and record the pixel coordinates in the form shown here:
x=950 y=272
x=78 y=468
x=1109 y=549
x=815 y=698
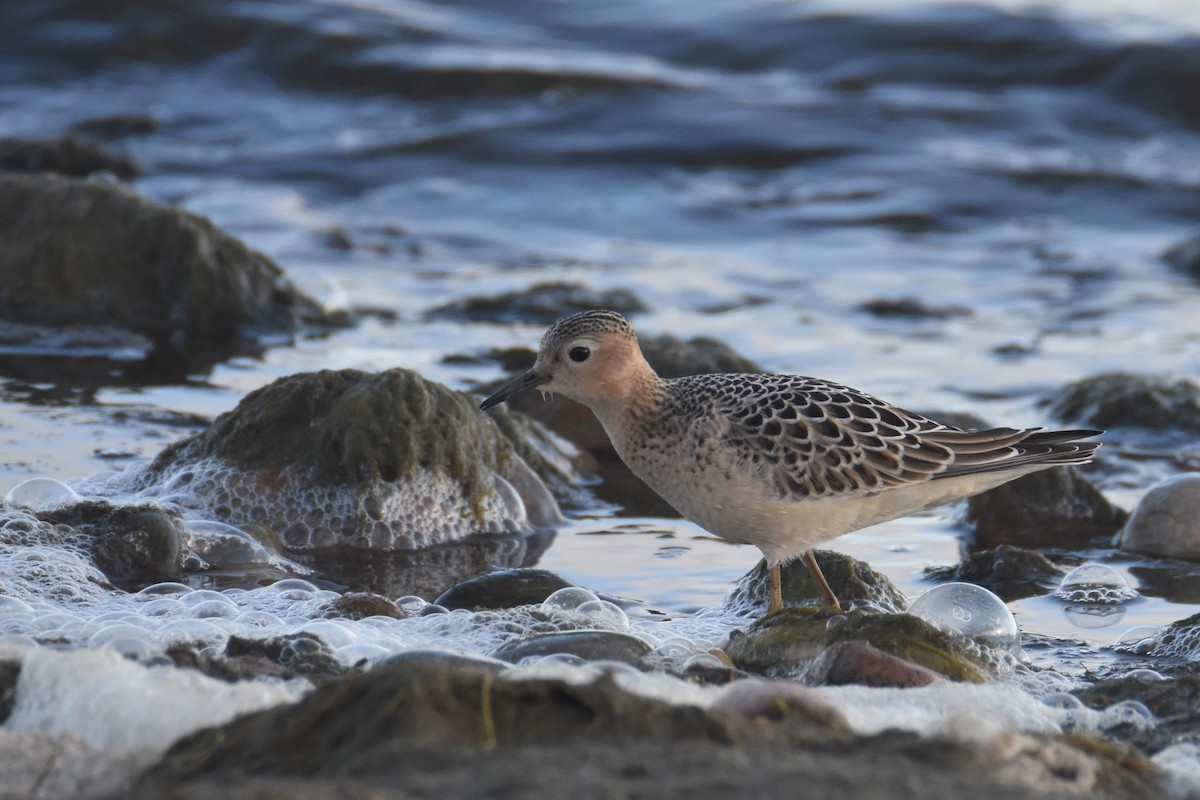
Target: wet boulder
x=91 y=254
x=587 y=645
x=506 y=588
x=866 y=665
x=670 y=357
x=383 y=461
x=542 y=303
x=1166 y=521
x=1115 y=399
x=1051 y=508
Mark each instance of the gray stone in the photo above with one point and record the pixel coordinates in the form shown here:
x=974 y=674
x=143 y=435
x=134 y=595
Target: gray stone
x=1166 y=521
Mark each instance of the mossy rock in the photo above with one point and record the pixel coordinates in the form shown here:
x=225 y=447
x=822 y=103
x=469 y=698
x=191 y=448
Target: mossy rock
x=1011 y=572
x=851 y=580
x=786 y=643
x=92 y=253
x=360 y=456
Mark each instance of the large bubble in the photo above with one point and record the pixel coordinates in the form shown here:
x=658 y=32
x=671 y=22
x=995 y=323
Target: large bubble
x=969 y=610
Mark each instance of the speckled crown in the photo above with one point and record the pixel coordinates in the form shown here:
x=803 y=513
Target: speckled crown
x=584 y=323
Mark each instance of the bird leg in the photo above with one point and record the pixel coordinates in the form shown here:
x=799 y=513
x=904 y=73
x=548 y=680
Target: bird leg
x=775 y=604
x=827 y=596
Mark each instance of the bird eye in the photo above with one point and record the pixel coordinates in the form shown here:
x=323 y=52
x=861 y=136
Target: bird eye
x=579 y=354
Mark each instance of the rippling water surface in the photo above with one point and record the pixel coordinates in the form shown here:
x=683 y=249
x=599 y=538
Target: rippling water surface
x=754 y=172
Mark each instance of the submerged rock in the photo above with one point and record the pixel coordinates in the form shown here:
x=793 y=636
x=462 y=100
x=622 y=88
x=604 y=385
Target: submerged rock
x=1166 y=521
x=386 y=461
x=542 y=303
x=1185 y=256
x=77 y=253
x=912 y=308
x=73 y=157
x=1011 y=572
x=792 y=642
x=1115 y=399
x=670 y=357
x=1051 y=508
x=506 y=588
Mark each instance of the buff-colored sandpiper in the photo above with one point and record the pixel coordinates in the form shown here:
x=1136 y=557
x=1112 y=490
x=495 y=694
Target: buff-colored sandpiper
x=780 y=462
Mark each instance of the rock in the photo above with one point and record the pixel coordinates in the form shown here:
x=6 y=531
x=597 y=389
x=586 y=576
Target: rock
x=79 y=253
x=384 y=461
x=542 y=303
x=10 y=672
x=1166 y=521
x=1051 y=508
x=671 y=358
x=588 y=645
x=76 y=158
x=851 y=580
x=1115 y=399
x=860 y=663
x=284 y=657
x=134 y=546
x=115 y=126
x=792 y=642
x=1011 y=572
x=358 y=605
x=912 y=308
x=774 y=700
x=437 y=725
x=505 y=588
x=1185 y=256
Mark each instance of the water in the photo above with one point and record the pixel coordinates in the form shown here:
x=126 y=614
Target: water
x=754 y=172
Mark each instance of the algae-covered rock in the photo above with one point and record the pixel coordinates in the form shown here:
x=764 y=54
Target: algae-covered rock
x=851 y=580
x=1051 y=508
x=380 y=461
x=670 y=357
x=790 y=642
x=437 y=725
x=541 y=303
x=1166 y=521
x=77 y=253
x=1114 y=399
x=1011 y=572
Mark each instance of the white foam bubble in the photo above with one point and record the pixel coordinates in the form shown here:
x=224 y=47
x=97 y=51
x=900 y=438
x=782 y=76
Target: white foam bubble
x=41 y=494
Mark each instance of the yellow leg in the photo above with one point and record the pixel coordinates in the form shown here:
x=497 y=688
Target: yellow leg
x=827 y=596
x=776 y=602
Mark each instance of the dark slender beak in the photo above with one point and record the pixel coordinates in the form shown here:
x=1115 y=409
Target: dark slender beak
x=527 y=381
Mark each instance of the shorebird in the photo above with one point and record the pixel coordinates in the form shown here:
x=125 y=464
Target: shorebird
x=781 y=462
